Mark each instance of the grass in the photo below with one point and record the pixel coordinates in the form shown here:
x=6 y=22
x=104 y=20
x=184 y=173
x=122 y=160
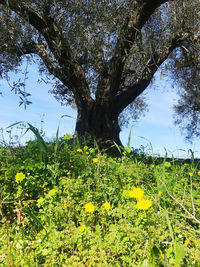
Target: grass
x=68 y=205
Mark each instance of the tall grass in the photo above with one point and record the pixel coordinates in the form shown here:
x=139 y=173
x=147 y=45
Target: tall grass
x=45 y=189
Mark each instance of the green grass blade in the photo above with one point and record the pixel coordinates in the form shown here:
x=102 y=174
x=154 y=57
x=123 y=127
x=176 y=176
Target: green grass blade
x=14 y=124
x=57 y=141
x=129 y=137
x=37 y=135
x=33 y=216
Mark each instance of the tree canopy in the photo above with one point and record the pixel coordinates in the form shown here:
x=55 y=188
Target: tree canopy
x=102 y=55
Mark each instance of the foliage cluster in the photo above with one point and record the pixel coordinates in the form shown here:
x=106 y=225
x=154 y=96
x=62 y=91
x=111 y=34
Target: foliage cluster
x=74 y=206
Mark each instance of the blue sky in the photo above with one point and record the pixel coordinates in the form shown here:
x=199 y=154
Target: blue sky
x=156 y=130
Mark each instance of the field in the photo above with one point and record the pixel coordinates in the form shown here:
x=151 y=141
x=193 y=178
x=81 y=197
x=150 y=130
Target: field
x=71 y=205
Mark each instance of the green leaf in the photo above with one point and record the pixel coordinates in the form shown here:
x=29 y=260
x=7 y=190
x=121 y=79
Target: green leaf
x=33 y=216
x=179 y=254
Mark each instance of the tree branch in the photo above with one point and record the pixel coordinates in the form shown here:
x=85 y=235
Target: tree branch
x=135 y=20
x=74 y=76
x=127 y=97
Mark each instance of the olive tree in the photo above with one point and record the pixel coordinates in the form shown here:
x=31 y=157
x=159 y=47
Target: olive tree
x=102 y=55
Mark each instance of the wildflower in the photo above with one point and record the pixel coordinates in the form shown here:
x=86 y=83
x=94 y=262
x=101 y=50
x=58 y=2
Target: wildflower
x=162 y=256
x=106 y=206
x=180 y=236
x=85 y=148
x=81 y=229
x=186 y=242
x=143 y=204
x=136 y=193
x=198 y=173
x=159 y=193
x=67 y=137
x=79 y=150
x=167 y=164
x=52 y=192
x=95 y=160
x=19 y=177
x=89 y=207
x=87 y=153
x=127 y=150
x=152 y=166
x=65 y=205
x=157 y=167
x=40 y=201
x=190 y=174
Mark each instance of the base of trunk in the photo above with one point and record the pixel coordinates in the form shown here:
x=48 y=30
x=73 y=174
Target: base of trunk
x=98 y=124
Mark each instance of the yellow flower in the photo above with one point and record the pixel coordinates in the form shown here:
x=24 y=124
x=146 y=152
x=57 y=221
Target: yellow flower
x=152 y=166
x=159 y=193
x=87 y=153
x=136 y=193
x=81 y=229
x=157 y=167
x=89 y=207
x=95 y=160
x=198 y=173
x=190 y=174
x=19 y=177
x=186 y=242
x=65 y=205
x=52 y=192
x=143 y=204
x=106 y=206
x=40 y=201
x=79 y=150
x=167 y=164
x=127 y=150
x=162 y=256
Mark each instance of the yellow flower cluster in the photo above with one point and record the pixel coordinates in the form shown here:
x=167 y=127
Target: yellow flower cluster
x=106 y=206
x=52 y=192
x=167 y=164
x=127 y=150
x=95 y=160
x=82 y=228
x=79 y=150
x=19 y=177
x=89 y=207
x=136 y=193
x=142 y=204
x=40 y=201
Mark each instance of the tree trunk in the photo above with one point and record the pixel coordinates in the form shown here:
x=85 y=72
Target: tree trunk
x=99 y=122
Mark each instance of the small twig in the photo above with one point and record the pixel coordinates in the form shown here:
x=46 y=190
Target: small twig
x=189 y=228
x=15 y=201
x=184 y=192
x=171 y=213
x=182 y=206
